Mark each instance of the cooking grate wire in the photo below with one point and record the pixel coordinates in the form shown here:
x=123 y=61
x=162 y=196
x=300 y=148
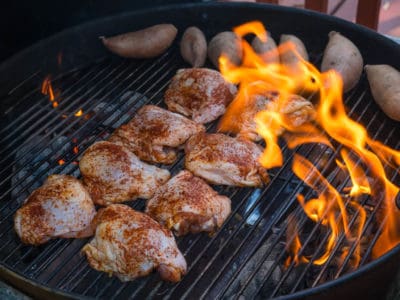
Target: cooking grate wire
x=258 y=215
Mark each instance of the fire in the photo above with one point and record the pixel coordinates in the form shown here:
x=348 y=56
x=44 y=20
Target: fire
x=79 y=113
x=47 y=90
x=360 y=157
x=75 y=150
x=61 y=162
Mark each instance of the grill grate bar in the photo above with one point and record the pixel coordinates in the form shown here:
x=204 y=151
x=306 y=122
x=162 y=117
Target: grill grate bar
x=374 y=240
x=57 y=116
x=11 y=224
x=178 y=162
x=224 y=288
x=76 y=133
x=53 y=116
x=310 y=235
x=28 y=115
x=161 y=77
x=243 y=264
x=371 y=245
x=98 y=135
x=315 y=253
x=258 y=220
x=341 y=237
x=197 y=240
x=366 y=226
x=237 y=229
x=281 y=233
x=144 y=282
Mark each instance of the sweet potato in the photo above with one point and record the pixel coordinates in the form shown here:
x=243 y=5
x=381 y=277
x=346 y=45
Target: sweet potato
x=288 y=57
x=227 y=43
x=343 y=56
x=384 y=82
x=267 y=50
x=194 y=47
x=145 y=43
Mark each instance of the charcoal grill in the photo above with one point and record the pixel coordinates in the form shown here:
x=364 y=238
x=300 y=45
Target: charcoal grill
x=245 y=257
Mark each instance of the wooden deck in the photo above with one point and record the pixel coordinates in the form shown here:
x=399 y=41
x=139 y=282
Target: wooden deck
x=389 y=17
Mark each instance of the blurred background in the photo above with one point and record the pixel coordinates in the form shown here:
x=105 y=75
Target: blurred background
x=24 y=22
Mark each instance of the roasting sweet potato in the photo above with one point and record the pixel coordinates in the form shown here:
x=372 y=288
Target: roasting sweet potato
x=193 y=47
x=267 y=50
x=227 y=43
x=288 y=57
x=145 y=43
x=384 y=82
x=343 y=56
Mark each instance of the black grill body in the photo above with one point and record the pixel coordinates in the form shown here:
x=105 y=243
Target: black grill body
x=244 y=258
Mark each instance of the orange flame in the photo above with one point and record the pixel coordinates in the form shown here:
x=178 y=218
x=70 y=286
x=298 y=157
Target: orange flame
x=61 y=162
x=361 y=157
x=47 y=89
x=76 y=150
x=79 y=113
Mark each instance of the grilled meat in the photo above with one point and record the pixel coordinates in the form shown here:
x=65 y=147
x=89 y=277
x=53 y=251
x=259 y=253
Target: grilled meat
x=199 y=93
x=221 y=159
x=61 y=207
x=154 y=133
x=240 y=116
x=129 y=244
x=186 y=203
x=113 y=174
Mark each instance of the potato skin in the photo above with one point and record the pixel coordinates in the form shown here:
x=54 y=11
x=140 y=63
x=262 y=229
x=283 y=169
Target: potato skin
x=228 y=43
x=146 y=43
x=193 y=47
x=288 y=58
x=384 y=82
x=268 y=50
x=343 y=56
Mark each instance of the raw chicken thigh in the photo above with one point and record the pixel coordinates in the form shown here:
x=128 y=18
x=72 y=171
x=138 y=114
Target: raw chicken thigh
x=221 y=159
x=154 y=133
x=113 y=174
x=240 y=116
x=199 y=93
x=61 y=207
x=130 y=244
x=186 y=203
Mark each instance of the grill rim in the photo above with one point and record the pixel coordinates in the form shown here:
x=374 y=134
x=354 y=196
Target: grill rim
x=8 y=274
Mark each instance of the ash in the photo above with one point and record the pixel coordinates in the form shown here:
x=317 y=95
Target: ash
x=39 y=157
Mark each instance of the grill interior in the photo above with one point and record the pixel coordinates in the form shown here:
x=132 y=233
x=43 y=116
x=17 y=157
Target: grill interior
x=244 y=258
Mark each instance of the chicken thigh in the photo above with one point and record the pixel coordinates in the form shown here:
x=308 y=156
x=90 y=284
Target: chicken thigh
x=61 y=207
x=199 y=93
x=186 y=203
x=221 y=159
x=154 y=133
x=240 y=116
x=130 y=244
x=113 y=174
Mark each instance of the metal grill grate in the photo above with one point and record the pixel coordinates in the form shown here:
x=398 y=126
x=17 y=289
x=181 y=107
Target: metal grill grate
x=244 y=257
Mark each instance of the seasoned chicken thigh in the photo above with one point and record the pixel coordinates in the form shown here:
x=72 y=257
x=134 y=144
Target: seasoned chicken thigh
x=130 y=244
x=113 y=174
x=240 y=116
x=61 y=207
x=154 y=133
x=199 y=93
x=221 y=159
x=186 y=203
